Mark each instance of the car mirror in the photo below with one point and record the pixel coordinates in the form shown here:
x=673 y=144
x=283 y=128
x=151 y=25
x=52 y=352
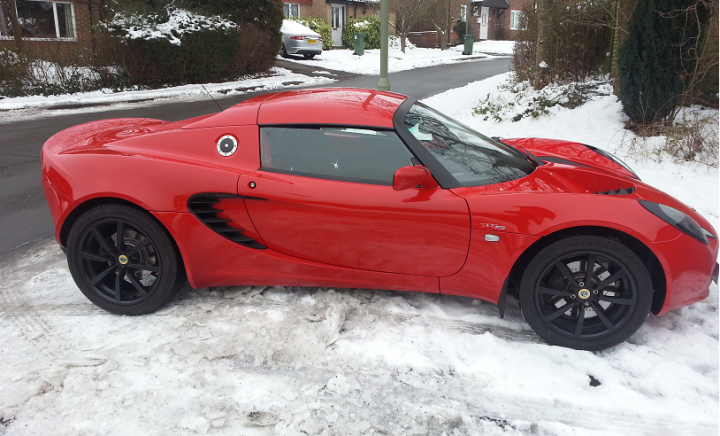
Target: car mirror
x=411 y=176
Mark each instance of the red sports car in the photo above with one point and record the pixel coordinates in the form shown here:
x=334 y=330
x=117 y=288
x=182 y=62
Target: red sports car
x=359 y=188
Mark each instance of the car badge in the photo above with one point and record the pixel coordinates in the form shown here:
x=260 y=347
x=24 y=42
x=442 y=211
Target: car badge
x=227 y=145
x=123 y=259
x=584 y=294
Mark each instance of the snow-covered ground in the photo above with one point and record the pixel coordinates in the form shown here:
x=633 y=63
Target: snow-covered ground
x=279 y=78
x=414 y=57
x=318 y=361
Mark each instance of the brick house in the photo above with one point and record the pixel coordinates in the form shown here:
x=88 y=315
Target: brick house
x=50 y=29
x=489 y=20
x=497 y=19
x=335 y=12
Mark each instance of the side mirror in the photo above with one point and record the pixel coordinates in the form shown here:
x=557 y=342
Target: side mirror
x=411 y=176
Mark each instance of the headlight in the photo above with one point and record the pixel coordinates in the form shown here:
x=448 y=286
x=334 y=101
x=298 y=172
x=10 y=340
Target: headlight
x=677 y=219
x=613 y=158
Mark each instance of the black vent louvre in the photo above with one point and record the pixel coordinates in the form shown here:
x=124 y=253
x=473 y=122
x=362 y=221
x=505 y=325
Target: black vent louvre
x=621 y=191
x=203 y=207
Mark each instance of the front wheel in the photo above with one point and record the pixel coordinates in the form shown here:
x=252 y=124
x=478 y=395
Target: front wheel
x=122 y=260
x=585 y=292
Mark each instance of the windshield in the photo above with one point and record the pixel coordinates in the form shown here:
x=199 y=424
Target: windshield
x=472 y=158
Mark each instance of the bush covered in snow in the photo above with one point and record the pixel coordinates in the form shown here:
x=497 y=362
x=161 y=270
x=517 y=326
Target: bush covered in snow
x=516 y=99
x=691 y=137
x=178 y=46
x=394 y=42
x=13 y=71
x=22 y=75
x=369 y=25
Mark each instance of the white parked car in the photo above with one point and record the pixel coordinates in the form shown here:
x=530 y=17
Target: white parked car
x=299 y=40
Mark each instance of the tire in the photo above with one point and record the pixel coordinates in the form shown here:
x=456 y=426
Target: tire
x=309 y=55
x=133 y=275
x=567 y=306
x=283 y=51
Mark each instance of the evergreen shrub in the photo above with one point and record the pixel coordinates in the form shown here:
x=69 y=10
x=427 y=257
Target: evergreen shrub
x=369 y=25
x=654 y=58
x=14 y=72
x=182 y=47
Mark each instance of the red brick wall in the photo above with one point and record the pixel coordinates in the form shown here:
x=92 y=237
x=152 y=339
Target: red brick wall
x=427 y=39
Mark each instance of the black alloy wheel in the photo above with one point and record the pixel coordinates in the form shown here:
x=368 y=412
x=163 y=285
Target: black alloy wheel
x=283 y=51
x=585 y=292
x=122 y=260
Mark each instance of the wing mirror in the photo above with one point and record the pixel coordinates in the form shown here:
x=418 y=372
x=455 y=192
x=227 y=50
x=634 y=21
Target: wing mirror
x=411 y=176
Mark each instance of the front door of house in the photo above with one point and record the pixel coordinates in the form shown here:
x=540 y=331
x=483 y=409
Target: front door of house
x=338 y=22
x=483 y=22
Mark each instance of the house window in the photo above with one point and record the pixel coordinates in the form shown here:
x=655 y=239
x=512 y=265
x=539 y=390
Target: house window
x=41 y=20
x=292 y=10
x=517 y=20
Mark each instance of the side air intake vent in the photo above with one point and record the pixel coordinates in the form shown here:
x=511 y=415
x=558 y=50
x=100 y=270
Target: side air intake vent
x=621 y=191
x=203 y=207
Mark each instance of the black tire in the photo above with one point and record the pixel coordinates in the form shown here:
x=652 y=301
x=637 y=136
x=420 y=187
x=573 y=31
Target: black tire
x=309 y=55
x=283 y=51
x=567 y=306
x=132 y=275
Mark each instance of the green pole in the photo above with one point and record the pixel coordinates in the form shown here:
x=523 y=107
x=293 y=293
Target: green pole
x=384 y=83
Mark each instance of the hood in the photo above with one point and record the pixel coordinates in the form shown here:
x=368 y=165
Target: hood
x=572 y=153
x=561 y=178
x=560 y=195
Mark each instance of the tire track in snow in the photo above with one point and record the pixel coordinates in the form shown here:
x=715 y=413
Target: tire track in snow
x=31 y=324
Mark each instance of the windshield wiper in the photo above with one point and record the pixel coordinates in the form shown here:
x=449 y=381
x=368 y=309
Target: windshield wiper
x=524 y=152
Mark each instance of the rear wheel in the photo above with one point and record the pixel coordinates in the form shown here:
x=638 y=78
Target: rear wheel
x=309 y=55
x=122 y=260
x=283 y=51
x=585 y=292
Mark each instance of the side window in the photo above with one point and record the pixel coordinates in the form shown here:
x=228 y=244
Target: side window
x=349 y=154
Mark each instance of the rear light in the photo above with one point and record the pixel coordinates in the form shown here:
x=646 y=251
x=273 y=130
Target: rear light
x=297 y=37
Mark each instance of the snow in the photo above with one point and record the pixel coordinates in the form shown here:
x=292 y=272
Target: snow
x=178 y=21
x=280 y=78
x=414 y=57
x=256 y=360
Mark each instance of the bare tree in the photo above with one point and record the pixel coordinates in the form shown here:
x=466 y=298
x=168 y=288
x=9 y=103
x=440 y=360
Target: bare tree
x=699 y=51
x=545 y=43
x=9 y=11
x=408 y=13
x=443 y=13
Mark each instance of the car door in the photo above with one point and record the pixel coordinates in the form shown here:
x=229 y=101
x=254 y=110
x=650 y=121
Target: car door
x=325 y=194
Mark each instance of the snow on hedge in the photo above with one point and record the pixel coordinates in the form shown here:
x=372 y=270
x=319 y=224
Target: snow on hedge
x=177 y=22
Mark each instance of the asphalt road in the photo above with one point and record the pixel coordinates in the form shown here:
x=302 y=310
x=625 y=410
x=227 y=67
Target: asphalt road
x=24 y=215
